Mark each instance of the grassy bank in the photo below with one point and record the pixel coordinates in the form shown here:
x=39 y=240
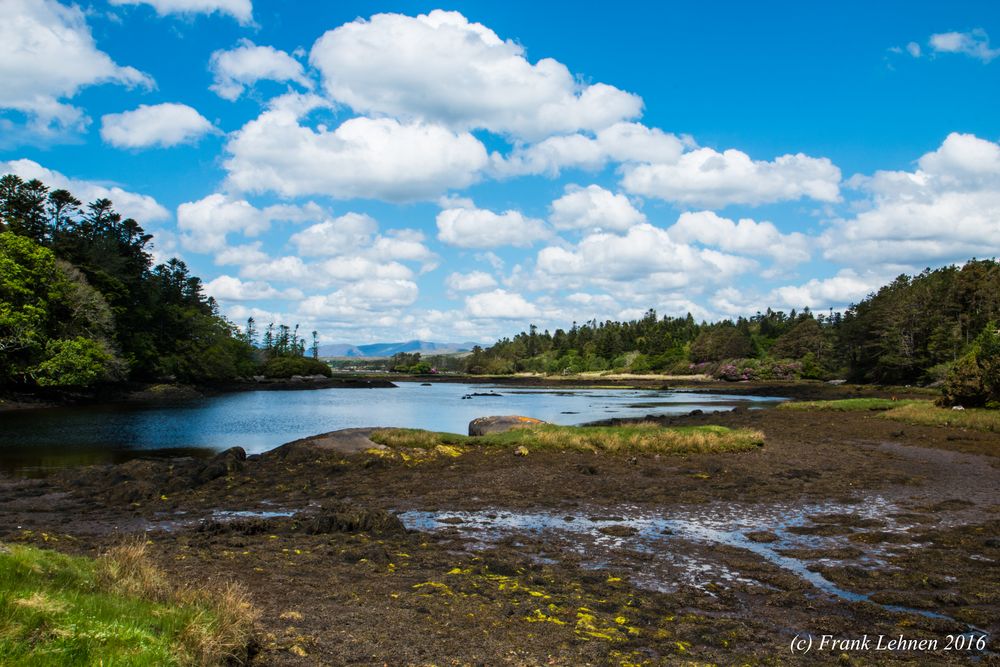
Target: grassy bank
x=646 y=438
x=848 y=404
x=910 y=412
x=929 y=414
x=118 y=609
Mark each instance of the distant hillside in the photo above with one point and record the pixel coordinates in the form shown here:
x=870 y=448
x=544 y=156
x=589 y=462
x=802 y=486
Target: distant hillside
x=389 y=349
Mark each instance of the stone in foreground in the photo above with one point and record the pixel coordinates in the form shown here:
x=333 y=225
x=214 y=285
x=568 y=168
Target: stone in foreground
x=500 y=424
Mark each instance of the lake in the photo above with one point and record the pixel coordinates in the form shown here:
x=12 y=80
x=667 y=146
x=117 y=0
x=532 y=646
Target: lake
x=33 y=441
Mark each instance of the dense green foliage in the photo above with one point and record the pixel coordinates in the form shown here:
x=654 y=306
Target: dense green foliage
x=974 y=379
x=913 y=330
x=409 y=362
x=452 y=362
x=287 y=366
x=81 y=302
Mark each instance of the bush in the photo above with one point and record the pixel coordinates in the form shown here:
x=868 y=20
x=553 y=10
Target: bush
x=420 y=368
x=721 y=341
x=286 y=367
x=974 y=380
x=79 y=362
x=759 y=369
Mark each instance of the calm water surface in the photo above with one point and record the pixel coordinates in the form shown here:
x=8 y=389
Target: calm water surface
x=260 y=420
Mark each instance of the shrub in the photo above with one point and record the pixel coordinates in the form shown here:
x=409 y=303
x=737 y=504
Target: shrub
x=974 y=380
x=759 y=369
x=286 y=367
x=79 y=362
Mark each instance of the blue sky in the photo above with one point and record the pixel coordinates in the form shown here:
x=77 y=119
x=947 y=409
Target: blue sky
x=397 y=170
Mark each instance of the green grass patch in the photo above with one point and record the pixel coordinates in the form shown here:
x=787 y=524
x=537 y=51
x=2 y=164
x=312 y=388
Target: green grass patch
x=911 y=411
x=928 y=414
x=645 y=437
x=849 y=404
x=118 y=609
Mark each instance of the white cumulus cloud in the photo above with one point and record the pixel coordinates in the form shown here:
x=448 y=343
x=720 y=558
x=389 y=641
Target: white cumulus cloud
x=238 y=68
x=363 y=157
x=745 y=236
x=241 y=10
x=335 y=236
x=47 y=54
x=161 y=125
x=482 y=228
x=621 y=142
x=359 y=267
x=287 y=269
x=500 y=304
x=644 y=252
x=205 y=223
x=975 y=44
x=707 y=178
x=441 y=68
x=361 y=299
x=838 y=292
x=470 y=282
x=947 y=210
x=592 y=208
x=130 y=204
x=228 y=288
x=247 y=253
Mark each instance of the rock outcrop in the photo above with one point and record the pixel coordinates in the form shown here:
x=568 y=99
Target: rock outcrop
x=500 y=424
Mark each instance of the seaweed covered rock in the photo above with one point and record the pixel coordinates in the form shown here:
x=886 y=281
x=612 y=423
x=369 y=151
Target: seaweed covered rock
x=142 y=480
x=348 y=518
x=500 y=424
x=221 y=464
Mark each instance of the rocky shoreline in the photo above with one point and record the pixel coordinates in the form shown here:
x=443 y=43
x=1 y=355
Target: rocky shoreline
x=843 y=524
x=142 y=394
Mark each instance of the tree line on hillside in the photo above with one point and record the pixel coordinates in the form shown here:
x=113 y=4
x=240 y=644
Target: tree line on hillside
x=939 y=326
x=82 y=303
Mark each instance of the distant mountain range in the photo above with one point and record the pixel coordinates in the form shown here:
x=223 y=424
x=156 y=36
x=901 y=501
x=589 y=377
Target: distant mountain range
x=389 y=349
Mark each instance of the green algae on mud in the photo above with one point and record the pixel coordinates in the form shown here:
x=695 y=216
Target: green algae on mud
x=639 y=438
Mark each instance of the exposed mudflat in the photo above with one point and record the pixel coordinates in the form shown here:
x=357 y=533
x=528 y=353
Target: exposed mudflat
x=844 y=524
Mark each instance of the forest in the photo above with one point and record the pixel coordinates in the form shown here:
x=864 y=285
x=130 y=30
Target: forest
x=81 y=304
x=936 y=328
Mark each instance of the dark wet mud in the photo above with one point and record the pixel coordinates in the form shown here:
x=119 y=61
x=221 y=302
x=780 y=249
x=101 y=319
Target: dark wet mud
x=843 y=525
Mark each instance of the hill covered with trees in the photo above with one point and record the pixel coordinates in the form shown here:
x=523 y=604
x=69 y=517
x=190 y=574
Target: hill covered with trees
x=81 y=303
x=936 y=327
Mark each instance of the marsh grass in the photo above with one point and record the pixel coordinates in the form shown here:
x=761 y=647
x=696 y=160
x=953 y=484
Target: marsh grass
x=928 y=414
x=644 y=437
x=118 y=609
x=923 y=412
x=849 y=404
